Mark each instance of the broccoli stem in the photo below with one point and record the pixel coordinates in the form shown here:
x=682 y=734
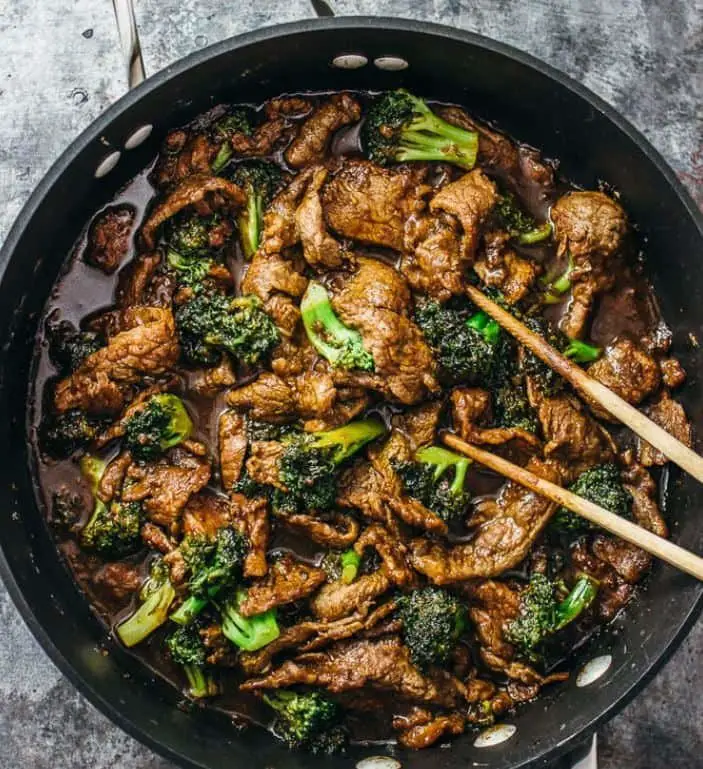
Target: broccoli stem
x=248 y=633
x=559 y=285
x=347 y=440
x=200 y=684
x=579 y=599
x=350 y=562
x=443 y=459
x=581 y=352
x=223 y=157
x=251 y=223
x=340 y=345
x=148 y=617
x=189 y=610
x=536 y=235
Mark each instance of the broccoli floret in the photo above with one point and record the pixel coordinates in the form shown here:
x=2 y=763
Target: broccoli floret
x=190 y=271
x=512 y=409
x=469 y=347
x=68 y=348
x=237 y=122
x=250 y=488
x=433 y=620
x=188 y=650
x=342 y=346
x=161 y=424
x=215 y=564
x=189 y=235
x=401 y=127
x=517 y=223
x=156 y=596
x=307 y=721
x=581 y=352
x=63 y=434
x=542 y=614
x=261 y=180
x=425 y=480
x=248 y=633
x=209 y=324
x=600 y=484
x=309 y=465
x=267 y=431
x=113 y=528
x=557 y=285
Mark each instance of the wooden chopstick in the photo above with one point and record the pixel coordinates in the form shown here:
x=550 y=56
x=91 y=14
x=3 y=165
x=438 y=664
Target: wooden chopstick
x=671 y=447
x=658 y=546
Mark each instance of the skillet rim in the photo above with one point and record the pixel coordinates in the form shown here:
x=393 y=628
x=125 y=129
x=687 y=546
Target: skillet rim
x=171 y=73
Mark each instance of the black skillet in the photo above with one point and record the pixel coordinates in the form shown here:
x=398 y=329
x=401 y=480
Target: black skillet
x=529 y=100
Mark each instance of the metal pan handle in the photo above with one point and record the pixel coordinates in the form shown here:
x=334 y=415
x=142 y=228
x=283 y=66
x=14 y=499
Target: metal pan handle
x=129 y=38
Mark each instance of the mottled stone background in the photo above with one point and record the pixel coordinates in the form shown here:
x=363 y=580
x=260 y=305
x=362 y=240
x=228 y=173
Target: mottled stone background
x=60 y=66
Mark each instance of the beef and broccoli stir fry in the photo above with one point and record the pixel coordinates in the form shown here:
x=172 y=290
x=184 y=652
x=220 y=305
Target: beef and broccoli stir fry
x=241 y=454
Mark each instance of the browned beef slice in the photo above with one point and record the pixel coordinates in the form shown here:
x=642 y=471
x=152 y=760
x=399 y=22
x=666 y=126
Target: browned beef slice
x=208 y=382
x=264 y=462
x=265 y=138
x=590 y=227
x=382 y=664
x=320 y=249
x=375 y=301
x=421 y=728
x=336 y=531
x=233 y=447
x=627 y=370
x=252 y=518
x=500 y=543
x=371 y=204
x=470 y=199
x=189 y=192
x=164 y=489
x=109 y=237
x=613 y=592
x=119 y=580
x=287 y=106
x=669 y=414
x=673 y=373
x=280 y=230
x=156 y=538
x=183 y=154
x=336 y=599
x=205 y=514
x=268 y=397
x=268 y=275
x=643 y=489
x=103 y=381
x=135 y=280
x=500 y=267
x=288 y=580
x=310 y=145
x=392 y=551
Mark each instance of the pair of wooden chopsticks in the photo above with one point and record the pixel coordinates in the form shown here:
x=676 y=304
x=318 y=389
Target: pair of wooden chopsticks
x=621 y=410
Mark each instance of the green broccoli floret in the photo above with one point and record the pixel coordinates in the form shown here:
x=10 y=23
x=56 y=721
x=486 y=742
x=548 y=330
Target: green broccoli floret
x=161 y=424
x=433 y=621
x=425 y=480
x=247 y=633
x=557 y=285
x=190 y=271
x=63 y=434
x=189 y=235
x=68 y=348
x=250 y=488
x=237 y=122
x=188 y=650
x=517 y=223
x=400 y=127
x=156 y=596
x=309 y=465
x=261 y=180
x=214 y=564
x=469 y=347
x=581 y=352
x=267 y=431
x=113 y=529
x=209 y=324
x=512 y=409
x=342 y=346
x=542 y=614
x=307 y=721
x=600 y=484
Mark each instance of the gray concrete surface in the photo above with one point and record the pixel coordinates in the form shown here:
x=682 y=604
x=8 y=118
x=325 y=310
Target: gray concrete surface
x=60 y=66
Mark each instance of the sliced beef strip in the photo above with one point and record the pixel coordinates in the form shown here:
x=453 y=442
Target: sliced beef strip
x=208 y=382
x=371 y=204
x=267 y=398
x=628 y=370
x=109 y=238
x=314 y=135
x=264 y=139
x=591 y=228
x=335 y=599
x=103 y=381
x=500 y=543
x=423 y=729
x=382 y=664
x=287 y=580
x=183 y=154
x=156 y=538
x=470 y=407
x=337 y=531
x=673 y=373
x=135 y=280
x=251 y=517
x=500 y=267
x=280 y=231
x=669 y=414
x=233 y=447
x=320 y=249
x=205 y=514
x=392 y=551
x=190 y=191
x=470 y=199
x=374 y=300
x=119 y=580
x=164 y=488
x=263 y=464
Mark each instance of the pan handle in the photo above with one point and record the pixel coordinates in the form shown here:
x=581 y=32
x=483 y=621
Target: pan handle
x=586 y=758
x=129 y=38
